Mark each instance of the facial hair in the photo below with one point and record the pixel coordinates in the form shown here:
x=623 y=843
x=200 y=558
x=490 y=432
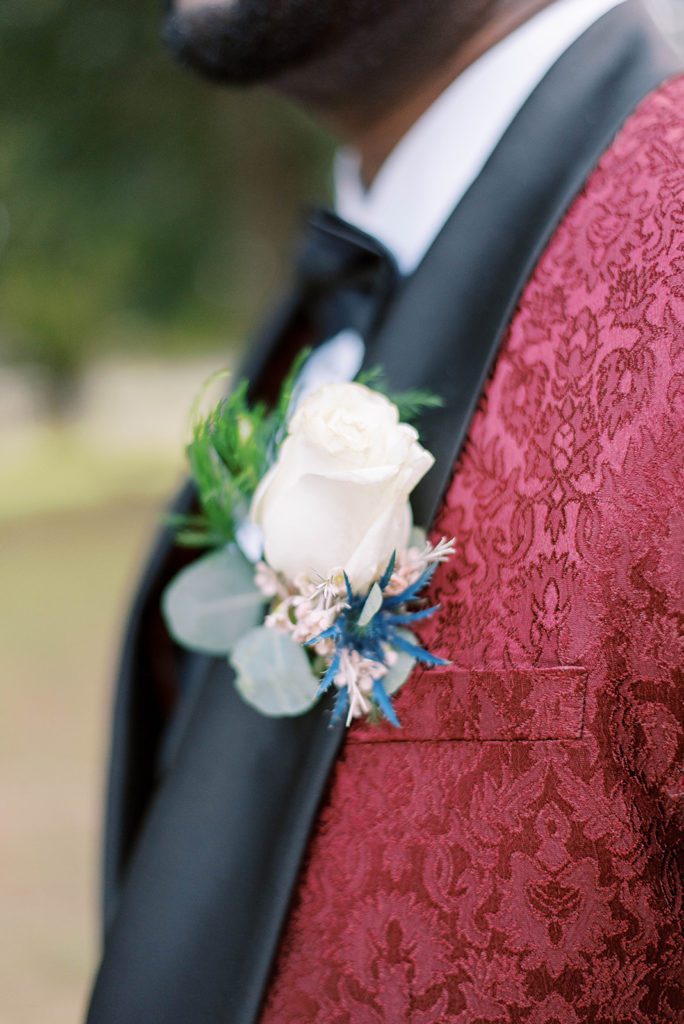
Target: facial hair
x=326 y=54
x=251 y=41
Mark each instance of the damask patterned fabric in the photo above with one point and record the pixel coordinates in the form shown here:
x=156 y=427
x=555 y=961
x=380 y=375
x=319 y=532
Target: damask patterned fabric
x=510 y=856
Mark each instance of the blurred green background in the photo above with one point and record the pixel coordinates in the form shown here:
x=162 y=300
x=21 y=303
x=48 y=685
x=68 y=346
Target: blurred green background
x=146 y=210
x=144 y=223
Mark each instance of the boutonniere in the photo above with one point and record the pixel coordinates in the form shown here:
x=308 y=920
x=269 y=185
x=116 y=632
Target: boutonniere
x=315 y=578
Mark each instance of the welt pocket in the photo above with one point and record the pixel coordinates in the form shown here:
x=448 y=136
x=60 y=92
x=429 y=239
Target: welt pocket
x=486 y=705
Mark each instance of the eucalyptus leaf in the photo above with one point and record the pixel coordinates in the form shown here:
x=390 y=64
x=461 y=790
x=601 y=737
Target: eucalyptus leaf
x=372 y=606
x=214 y=602
x=273 y=673
x=401 y=670
x=418 y=537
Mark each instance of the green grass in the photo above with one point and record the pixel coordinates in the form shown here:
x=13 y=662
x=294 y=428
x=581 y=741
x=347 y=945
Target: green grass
x=61 y=470
x=74 y=524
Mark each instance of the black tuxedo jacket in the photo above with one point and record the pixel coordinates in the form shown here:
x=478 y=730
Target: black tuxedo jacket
x=210 y=805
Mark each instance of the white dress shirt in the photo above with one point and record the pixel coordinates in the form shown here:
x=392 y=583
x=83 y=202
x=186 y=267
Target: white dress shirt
x=441 y=155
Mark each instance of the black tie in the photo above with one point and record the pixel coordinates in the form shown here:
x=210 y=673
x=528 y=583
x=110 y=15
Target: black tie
x=346 y=277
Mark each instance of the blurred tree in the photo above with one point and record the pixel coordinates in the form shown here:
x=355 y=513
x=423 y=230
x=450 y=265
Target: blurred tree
x=138 y=206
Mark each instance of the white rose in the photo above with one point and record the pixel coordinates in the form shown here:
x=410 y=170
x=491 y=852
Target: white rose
x=337 y=496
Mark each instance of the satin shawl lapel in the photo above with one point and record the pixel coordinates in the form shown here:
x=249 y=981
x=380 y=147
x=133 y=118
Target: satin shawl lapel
x=136 y=723
x=219 y=853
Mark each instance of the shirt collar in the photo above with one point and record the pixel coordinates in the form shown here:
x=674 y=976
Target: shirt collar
x=431 y=168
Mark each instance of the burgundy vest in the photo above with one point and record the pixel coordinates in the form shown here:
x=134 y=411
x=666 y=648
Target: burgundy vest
x=510 y=854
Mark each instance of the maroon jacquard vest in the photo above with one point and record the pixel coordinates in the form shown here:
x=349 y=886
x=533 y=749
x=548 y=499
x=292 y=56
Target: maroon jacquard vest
x=510 y=854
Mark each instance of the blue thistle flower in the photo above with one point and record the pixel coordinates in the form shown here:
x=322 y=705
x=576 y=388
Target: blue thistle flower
x=372 y=639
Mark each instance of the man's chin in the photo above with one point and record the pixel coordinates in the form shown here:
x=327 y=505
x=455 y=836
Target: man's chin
x=329 y=55
x=201 y=38
x=248 y=41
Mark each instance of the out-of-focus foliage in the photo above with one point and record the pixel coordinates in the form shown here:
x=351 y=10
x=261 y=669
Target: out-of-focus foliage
x=138 y=206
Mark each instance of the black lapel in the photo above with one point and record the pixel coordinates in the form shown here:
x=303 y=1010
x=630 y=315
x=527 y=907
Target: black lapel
x=211 y=875
x=137 y=724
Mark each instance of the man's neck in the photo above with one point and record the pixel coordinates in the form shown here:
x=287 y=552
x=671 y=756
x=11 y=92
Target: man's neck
x=374 y=140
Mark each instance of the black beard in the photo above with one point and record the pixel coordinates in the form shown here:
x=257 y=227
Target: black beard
x=254 y=41
x=329 y=54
